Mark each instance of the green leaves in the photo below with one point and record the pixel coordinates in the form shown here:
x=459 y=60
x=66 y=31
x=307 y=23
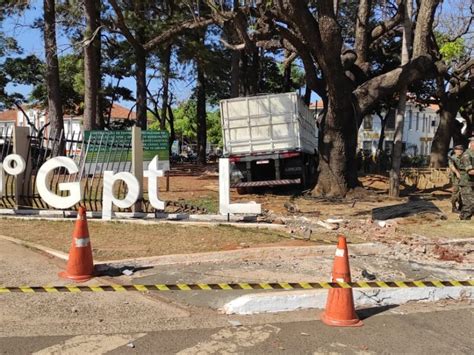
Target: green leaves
x=71 y=72
x=185 y=122
x=451 y=50
x=18 y=71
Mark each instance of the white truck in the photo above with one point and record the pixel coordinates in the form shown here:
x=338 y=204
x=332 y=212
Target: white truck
x=271 y=140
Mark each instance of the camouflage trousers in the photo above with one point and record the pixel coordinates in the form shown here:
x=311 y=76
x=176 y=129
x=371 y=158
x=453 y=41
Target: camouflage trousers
x=456 y=196
x=467 y=197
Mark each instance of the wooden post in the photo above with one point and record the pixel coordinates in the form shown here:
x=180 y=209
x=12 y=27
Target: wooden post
x=21 y=147
x=137 y=165
x=167 y=172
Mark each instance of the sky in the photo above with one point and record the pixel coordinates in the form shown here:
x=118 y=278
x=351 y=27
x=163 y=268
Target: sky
x=31 y=40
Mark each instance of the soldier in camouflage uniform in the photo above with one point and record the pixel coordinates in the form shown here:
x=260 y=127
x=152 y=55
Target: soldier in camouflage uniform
x=466 y=182
x=454 y=167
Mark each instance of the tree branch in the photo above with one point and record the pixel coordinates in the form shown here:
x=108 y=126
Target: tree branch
x=386 y=26
x=234 y=47
x=361 y=34
x=290 y=59
x=31 y=124
x=373 y=90
x=123 y=26
x=177 y=30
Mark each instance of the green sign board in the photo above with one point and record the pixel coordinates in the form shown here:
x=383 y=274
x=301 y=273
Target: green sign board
x=155 y=143
x=104 y=147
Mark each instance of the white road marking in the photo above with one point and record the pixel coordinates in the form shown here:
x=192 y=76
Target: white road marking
x=228 y=340
x=90 y=344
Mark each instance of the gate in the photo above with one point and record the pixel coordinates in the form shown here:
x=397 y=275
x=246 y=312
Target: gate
x=93 y=154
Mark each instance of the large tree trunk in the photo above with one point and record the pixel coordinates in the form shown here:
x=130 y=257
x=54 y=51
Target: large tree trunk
x=383 y=122
x=235 y=74
x=394 y=187
x=233 y=38
x=337 y=150
x=243 y=75
x=287 y=73
x=140 y=74
x=91 y=69
x=55 y=111
x=100 y=120
x=253 y=73
x=166 y=84
x=442 y=138
x=338 y=133
x=201 y=114
x=171 y=123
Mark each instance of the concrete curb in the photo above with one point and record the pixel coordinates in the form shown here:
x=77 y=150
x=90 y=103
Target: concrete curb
x=234 y=222
x=263 y=253
x=132 y=216
x=58 y=254
x=316 y=299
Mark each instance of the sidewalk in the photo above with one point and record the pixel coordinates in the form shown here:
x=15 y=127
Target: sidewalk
x=61 y=313
x=269 y=264
x=296 y=264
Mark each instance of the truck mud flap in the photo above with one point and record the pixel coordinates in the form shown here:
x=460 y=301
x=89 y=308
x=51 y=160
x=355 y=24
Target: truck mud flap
x=267 y=183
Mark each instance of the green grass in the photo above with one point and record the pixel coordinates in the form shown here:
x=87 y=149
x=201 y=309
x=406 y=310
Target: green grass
x=210 y=204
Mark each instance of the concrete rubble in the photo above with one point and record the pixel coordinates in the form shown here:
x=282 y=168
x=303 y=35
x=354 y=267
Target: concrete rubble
x=415 y=247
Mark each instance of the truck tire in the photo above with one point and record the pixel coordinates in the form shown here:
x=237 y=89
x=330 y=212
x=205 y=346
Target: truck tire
x=244 y=190
x=312 y=171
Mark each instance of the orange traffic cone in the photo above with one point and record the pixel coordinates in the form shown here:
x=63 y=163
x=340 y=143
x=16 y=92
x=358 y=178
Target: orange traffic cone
x=340 y=311
x=80 y=266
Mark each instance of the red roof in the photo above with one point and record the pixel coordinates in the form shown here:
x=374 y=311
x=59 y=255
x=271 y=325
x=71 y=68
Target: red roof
x=9 y=115
x=316 y=105
x=118 y=113
x=121 y=113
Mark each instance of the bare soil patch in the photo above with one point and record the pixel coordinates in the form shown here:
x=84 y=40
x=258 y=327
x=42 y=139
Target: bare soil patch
x=422 y=212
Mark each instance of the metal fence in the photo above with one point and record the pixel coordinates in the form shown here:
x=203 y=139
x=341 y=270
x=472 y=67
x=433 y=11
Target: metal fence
x=93 y=155
x=6 y=148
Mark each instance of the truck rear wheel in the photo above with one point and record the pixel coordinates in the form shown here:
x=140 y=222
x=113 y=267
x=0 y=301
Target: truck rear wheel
x=244 y=190
x=308 y=171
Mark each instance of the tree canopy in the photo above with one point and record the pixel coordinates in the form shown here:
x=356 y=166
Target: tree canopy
x=183 y=57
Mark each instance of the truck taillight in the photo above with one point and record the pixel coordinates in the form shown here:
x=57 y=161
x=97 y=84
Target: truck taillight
x=290 y=155
x=234 y=159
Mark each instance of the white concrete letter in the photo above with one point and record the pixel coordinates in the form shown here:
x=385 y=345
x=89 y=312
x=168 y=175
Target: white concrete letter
x=153 y=189
x=108 y=197
x=19 y=166
x=225 y=207
x=74 y=188
x=2 y=174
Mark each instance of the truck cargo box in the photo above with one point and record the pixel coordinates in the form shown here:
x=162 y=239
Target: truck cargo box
x=267 y=124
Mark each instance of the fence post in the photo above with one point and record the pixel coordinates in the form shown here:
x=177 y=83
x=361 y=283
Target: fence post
x=21 y=146
x=137 y=165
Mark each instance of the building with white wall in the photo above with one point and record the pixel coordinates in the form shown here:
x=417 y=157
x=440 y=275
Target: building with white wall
x=420 y=126
x=8 y=120
x=38 y=117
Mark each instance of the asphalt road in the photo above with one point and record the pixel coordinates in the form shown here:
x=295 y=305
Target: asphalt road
x=135 y=323
x=428 y=332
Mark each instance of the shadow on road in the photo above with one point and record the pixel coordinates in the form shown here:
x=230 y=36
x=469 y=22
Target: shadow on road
x=372 y=311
